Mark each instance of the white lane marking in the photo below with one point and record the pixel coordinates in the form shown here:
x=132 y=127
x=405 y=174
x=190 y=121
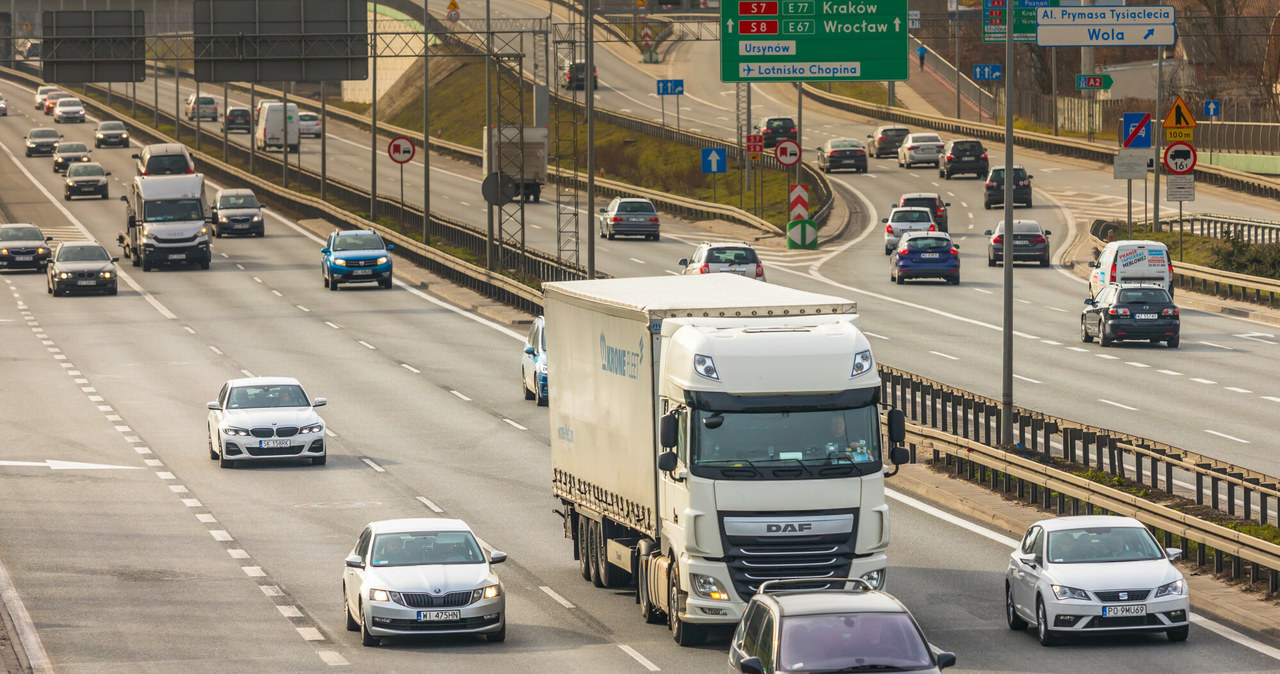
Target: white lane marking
x=191 y=502
x=215 y=349
x=1081 y=349
x=366 y=345
x=333 y=658
x=1237 y=389
x=238 y=553
x=1025 y=301
x=373 y=465
x=246 y=373
x=1050 y=342
x=1027 y=379
x=277 y=293
x=644 y=662
x=181 y=489
x=1116 y=404
x=1271 y=398
x=271 y=590
x=302 y=308
x=1228 y=633
x=1025 y=335
x=463 y=397
x=206 y=518
x=1171 y=373
x=556 y=596
x=1107 y=356
x=222 y=254
x=1217 y=346
x=673 y=273
x=1055 y=309
x=257 y=280
x=310 y=634
x=335 y=327
x=1135 y=363
x=23 y=624
x=514 y=424
x=939 y=353
x=165 y=475
x=153 y=463
x=952 y=519
x=428 y=503
x=329 y=432
x=289 y=611
x=220 y=535
x=464 y=203
x=637 y=260
x=189 y=329
x=410 y=368
x=1228 y=437
x=872 y=334
x=965 y=205
x=985 y=292
x=239 y=266
x=1200 y=380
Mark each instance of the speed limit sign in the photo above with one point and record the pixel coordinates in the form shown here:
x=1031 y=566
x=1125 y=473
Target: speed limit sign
x=401 y=150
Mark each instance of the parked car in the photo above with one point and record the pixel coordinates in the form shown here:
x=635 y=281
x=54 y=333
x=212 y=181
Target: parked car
x=82 y=266
x=42 y=141
x=925 y=255
x=790 y=627
x=257 y=418
x=963 y=155
x=995 y=187
x=206 y=107
x=1131 y=312
x=236 y=211
x=920 y=148
x=774 y=129
x=886 y=139
x=533 y=364
x=724 y=257
x=630 y=216
x=309 y=124
x=68 y=153
x=111 y=132
x=1095 y=575
x=841 y=153
x=68 y=110
x=164 y=159
x=1030 y=242
x=41 y=92
x=24 y=246
x=930 y=200
x=902 y=220
x=86 y=179
x=51 y=99
x=356 y=256
x=238 y=119
x=413 y=577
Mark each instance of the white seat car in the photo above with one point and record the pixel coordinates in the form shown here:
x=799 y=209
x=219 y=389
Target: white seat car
x=261 y=418
x=421 y=576
x=1092 y=575
x=909 y=219
x=920 y=148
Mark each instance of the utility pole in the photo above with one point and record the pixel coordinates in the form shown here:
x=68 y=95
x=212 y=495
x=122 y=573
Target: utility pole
x=589 y=86
x=1006 y=250
x=1157 y=120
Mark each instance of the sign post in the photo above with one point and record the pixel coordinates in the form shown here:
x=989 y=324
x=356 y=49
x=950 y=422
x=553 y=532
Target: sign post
x=670 y=88
x=1131 y=161
x=1213 y=112
x=401 y=151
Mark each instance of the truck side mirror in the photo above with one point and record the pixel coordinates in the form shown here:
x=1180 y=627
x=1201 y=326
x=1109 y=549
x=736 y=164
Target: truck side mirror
x=1093 y=265
x=897 y=427
x=135 y=156
x=120 y=239
x=669 y=430
x=667 y=462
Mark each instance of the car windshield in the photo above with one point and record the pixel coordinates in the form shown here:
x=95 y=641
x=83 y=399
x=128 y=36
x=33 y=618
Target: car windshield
x=44 y=134
x=72 y=147
x=894 y=132
x=82 y=170
x=274 y=395
x=82 y=254
x=111 y=126
x=358 y=242
x=757 y=444
x=69 y=103
x=966 y=146
x=732 y=256
x=1089 y=545
x=779 y=123
x=852 y=642
x=238 y=201
x=929 y=243
x=426 y=547
x=920 y=202
x=1143 y=295
x=20 y=234
x=172 y=210
x=635 y=207
x=911 y=216
x=846 y=145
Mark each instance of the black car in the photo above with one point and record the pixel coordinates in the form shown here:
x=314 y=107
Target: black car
x=82 y=266
x=68 y=153
x=774 y=129
x=995 y=187
x=111 y=133
x=237 y=119
x=886 y=140
x=1129 y=312
x=86 y=179
x=42 y=141
x=23 y=247
x=842 y=153
x=575 y=76
x=1030 y=243
x=963 y=156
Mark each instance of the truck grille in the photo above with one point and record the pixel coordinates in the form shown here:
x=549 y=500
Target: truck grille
x=176 y=239
x=752 y=560
x=424 y=600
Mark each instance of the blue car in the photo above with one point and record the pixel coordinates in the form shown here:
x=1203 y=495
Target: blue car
x=356 y=256
x=925 y=255
x=533 y=365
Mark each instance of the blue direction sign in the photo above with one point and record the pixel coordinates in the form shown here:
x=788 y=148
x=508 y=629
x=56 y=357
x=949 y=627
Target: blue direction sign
x=1213 y=108
x=1146 y=25
x=670 y=87
x=713 y=160
x=988 y=71
x=1135 y=130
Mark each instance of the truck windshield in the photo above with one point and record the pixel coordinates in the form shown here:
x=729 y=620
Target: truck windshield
x=173 y=210
x=785 y=445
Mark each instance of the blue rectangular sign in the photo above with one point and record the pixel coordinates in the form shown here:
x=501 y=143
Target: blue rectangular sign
x=1213 y=108
x=670 y=87
x=988 y=71
x=714 y=160
x=1135 y=130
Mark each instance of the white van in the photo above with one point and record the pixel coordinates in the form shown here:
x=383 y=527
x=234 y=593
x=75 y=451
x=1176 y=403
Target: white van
x=1132 y=262
x=270 y=129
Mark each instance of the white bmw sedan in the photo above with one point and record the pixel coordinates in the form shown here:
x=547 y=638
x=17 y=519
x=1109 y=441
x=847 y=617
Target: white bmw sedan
x=422 y=576
x=265 y=418
x=1095 y=574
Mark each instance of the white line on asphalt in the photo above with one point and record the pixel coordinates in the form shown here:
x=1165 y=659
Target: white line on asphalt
x=289 y=611
x=1033 y=381
x=1228 y=633
x=302 y=308
x=556 y=596
x=271 y=590
x=1229 y=437
x=206 y=518
x=965 y=205
x=1218 y=346
x=939 y=353
x=459 y=394
x=165 y=475
x=872 y=334
x=1237 y=389
x=1120 y=405
x=153 y=463
x=257 y=280
x=310 y=633
x=1171 y=373
x=1025 y=335
x=983 y=291
x=333 y=658
x=238 y=553
x=639 y=658
x=366 y=345
x=215 y=349
x=673 y=273
x=1135 y=363
x=428 y=503
x=22 y=623
x=373 y=465
x=1055 y=309
x=1050 y=342
x=637 y=260
x=1199 y=380
x=1107 y=356
x=189 y=329
x=277 y=293
x=1271 y=398
x=222 y=254
x=464 y=203
x=239 y=266
x=952 y=519
x=246 y=373
x=517 y=426
x=180 y=489
x=1025 y=301
x=410 y=368
x=335 y=327
x=1080 y=349
x=220 y=535
x=191 y=502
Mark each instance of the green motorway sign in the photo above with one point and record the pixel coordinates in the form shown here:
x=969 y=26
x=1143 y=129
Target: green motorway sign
x=813 y=40
x=997 y=15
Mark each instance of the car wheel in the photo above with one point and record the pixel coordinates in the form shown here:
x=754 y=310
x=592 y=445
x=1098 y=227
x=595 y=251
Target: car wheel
x=610 y=236
x=352 y=624
x=610 y=575
x=1016 y=623
x=528 y=395
x=213 y=453
x=499 y=636
x=657 y=237
x=224 y=462
x=1179 y=633
x=1173 y=341
x=944 y=175
x=333 y=283
x=1084 y=332
x=991 y=261
x=105 y=195
x=319 y=460
x=260 y=233
x=955 y=280
x=325 y=279
x=543 y=400
x=385 y=284
x=1046 y=635
x=898 y=278
x=685 y=634
x=204 y=264
x=367 y=639
x=66 y=196
x=1029 y=203
x=114 y=290
x=217 y=233
x=1044 y=261
x=48 y=288
x=887 y=250
x=1103 y=339
x=146 y=263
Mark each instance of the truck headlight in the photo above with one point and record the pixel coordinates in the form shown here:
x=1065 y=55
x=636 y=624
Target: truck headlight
x=862 y=363
x=707 y=587
x=876 y=578
x=1174 y=588
x=705 y=366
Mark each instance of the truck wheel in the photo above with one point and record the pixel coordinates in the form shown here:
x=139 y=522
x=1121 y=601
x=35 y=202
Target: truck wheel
x=204 y=264
x=610 y=575
x=146 y=263
x=685 y=634
x=580 y=542
x=594 y=556
x=650 y=612
x=134 y=258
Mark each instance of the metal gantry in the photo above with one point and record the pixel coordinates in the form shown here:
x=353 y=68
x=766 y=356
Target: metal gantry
x=508 y=146
x=743 y=95
x=565 y=115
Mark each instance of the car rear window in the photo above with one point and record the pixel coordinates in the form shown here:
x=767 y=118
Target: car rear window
x=635 y=207
x=846 y=145
x=926 y=138
x=928 y=242
x=308 y=116
x=920 y=202
x=732 y=256
x=1143 y=295
x=967 y=146
x=167 y=163
x=206 y=100
x=895 y=132
x=911 y=216
x=1018 y=174
x=779 y=123
x=1027 y=228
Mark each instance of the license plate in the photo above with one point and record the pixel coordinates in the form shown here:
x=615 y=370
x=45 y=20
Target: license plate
x=439 y=615
x=362 y=272
x=177 y=256
x=928 y=256
x=23 y=258
x=275 y=442
x=1144 y=317
x=86 y=283
x=1124 y=611
x=241 y=225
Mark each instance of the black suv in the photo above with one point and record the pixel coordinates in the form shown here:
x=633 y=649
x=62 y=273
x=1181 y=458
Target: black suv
x=886 y=140
x=995 y=187
x=774 y=129
x=238 y=119
x=963 y=156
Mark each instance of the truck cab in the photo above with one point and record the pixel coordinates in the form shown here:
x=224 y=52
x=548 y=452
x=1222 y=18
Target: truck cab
x=165 y=222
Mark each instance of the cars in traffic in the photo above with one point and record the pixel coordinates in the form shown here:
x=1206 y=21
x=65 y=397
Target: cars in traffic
x=930 y=200
x=775 y=129
x=164 y=159
x=1083 y=575
x=994 y=188
x=886 y=139
x=630 y=216
x=68 y=110
x=1131 y=312
x=23 y=246
x=111 y=132
x=41 y=92
x=963 y=155
x=51 y=100
x=533 y=364
x=201 y=107
x=1030 y=243
x=236 y=211
x=842 y=153
x=573 y=74
x=903 y=220
x=1132 y=261
x=68 y=153
x=356 y=256
x=920 y=148
x=423 y=576
x=4 y=107
x=81 y=266
x=797 y=625
x=42 y=141
x=309 y=124
x=86 y=179
x=724 y=257
x=238 y=119
x=925 y=255
x=259 y=418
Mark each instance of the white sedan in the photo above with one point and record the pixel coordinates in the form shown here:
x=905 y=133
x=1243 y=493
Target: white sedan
x=422 y=576
x=265 y=418
x=1092 y=575
x=920 y=148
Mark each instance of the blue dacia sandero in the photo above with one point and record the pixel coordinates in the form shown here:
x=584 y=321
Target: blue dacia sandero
x=356 y=256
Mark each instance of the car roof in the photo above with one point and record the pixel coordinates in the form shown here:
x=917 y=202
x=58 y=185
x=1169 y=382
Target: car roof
x=412 y=524
x=911 y=208
x=727 y=244
x=964 y=140
x=1001 y=168
x=355 y=232
x=80 y=244
x=1078 y=521
x=835 y=601
x=165 y=148
x=262 y=381
x=235 y=191
x=913 y=234
x=921 y=195
x=635 y=199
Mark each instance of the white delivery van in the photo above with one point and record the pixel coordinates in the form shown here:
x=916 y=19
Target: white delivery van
x=270 y=130
x=1132 y=262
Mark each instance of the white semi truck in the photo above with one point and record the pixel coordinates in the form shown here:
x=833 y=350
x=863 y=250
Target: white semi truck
x=710 y=433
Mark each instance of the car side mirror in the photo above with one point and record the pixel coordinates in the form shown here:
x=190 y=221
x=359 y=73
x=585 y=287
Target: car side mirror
x=320 y=402
x=948 y=204
x=529 y=350
x=897 y=426
x=497 y=557
x=684 y=261
x=946 y=659
x=1047 y=232
x=751 y=666
x=47 y=239
x=669 y=430
x=324 y=251
x=120 y=239
x=355 y=562
x=667 y=461
x=884 y=219
x=1093 y=265
x=1091 y=302
x=136 y=156
x=106 y=173
x=868 y=135
x=956 y=246
x=817 y=149
x=1029 y=177
x=214 y=405
x=1173 y=554
x=124 y=198
x=391 y=247
x=602 y=210
x=1028 y=559
x=115 y=259
x=987 y=233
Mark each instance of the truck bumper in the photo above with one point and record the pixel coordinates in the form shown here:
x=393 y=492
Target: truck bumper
x=710 y=611
x=177 y=254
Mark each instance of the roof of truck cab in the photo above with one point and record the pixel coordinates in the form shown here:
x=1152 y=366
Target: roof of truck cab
x=186 y=186
x=702 y=295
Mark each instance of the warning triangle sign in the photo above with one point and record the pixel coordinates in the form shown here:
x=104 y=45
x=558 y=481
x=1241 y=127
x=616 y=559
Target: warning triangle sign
x=453 y=4
x=1179 y=116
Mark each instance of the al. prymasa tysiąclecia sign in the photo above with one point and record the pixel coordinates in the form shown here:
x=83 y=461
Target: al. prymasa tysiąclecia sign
x=813 y=40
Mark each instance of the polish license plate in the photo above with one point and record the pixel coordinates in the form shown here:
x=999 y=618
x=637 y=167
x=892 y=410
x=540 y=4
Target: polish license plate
x=362 y=272
x=441 y=615
x=1146 y=317
x=275 y=442
x=23 y=258
x=1124 y=611
x=86 y=283
x=241 y=225
x=928 y=256
x=177 y=256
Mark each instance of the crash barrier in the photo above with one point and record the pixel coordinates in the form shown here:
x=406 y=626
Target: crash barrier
x=1030 y=481
x=1232 y=490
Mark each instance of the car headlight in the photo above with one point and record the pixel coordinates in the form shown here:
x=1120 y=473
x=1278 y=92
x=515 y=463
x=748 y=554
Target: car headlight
x=41 y=251
x=340 y=262
x=257 y=218
x=97 y=135
x=1064 y=592
x=707 y=587
x=64 y=275
x=379 y=595
x=105 y=274
x=313 y=428
x=4 y=251
x=705 y=366
x=382 y=260
x=71 y=183
x=124 y=135
x=222 y=219
x=1174 y=588
x=232 y=430
x=862 y=363
x=487 y=592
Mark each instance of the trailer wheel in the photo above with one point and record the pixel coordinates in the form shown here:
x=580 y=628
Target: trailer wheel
x=610 y=575
x=593 y=553
x=580 y=545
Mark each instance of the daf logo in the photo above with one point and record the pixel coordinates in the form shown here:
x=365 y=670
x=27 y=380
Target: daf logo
x=788 y=528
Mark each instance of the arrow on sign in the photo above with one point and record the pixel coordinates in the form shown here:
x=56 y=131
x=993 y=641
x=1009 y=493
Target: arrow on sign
x=66 y=465
x=897 y=25
x=799 y=202
x=729 y=26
